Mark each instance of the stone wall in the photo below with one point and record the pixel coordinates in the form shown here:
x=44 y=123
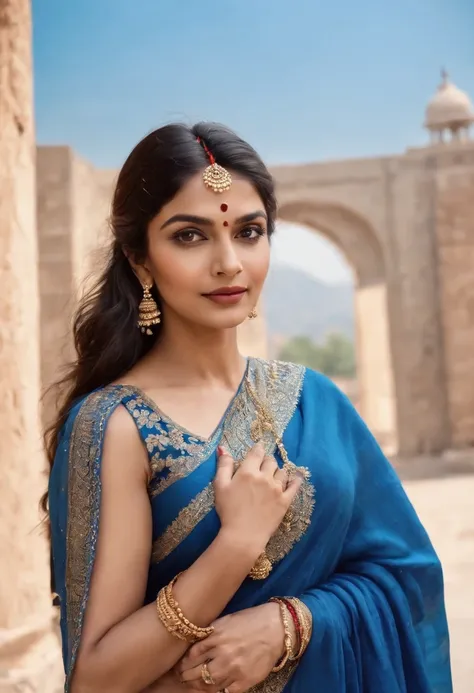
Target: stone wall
x=29 y=653
x=455 y=234
x=56 y=282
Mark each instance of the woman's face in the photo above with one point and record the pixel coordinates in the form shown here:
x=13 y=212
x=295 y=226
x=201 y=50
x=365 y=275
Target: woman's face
x=209 y=253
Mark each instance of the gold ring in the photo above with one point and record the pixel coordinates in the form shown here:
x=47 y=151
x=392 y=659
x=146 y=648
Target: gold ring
x=206 y=675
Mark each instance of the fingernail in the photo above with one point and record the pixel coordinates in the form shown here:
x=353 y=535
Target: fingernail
x=221 y=450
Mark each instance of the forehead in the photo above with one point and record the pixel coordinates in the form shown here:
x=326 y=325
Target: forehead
x=196 y=199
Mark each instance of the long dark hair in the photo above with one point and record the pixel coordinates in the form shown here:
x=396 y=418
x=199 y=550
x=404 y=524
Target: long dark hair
x=107 y=341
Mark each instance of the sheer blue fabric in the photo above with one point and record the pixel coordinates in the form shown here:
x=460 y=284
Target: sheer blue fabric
x=355 y=551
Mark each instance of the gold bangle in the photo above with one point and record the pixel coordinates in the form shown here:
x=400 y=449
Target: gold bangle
x=306 y=624
x=262 y=568
x=288 y=636
x=173 y=618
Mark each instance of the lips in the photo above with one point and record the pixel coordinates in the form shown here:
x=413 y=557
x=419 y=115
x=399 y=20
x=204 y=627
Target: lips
x=227 y=295
x=227 y=291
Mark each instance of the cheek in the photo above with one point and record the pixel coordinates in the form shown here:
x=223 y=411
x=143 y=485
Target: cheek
x=258 y=263
x=175 y=269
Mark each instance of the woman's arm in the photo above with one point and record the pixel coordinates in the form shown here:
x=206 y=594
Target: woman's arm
x=124 y=646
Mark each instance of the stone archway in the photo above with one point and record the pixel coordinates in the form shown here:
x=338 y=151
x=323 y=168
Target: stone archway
x=356 y=239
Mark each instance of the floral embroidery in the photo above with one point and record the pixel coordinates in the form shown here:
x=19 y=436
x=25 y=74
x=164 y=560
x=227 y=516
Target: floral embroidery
x=173 y=452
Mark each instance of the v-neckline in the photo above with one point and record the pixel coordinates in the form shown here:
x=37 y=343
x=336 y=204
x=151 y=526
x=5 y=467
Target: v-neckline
x=174 y=424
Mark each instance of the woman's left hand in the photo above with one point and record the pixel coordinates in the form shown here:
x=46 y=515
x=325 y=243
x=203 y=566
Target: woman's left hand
x=241 y=652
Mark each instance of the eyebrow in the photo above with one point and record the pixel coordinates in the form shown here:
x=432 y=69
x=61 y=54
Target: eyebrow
x=202 y=221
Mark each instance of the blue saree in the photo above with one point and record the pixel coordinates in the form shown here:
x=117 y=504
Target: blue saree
x=354 y=551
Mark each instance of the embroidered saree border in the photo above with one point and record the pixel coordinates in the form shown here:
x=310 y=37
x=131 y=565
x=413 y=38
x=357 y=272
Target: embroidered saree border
x=84 y=493
x=181 y=527
x=276 y=681
x=282 y=397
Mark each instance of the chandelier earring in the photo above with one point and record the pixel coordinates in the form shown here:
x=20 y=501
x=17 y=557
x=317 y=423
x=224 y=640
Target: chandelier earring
x=148 y=312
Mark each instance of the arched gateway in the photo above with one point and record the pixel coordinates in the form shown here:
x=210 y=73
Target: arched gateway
x=356 y=238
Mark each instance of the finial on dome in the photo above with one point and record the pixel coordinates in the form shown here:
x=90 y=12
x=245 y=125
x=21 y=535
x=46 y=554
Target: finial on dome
x=449 y=110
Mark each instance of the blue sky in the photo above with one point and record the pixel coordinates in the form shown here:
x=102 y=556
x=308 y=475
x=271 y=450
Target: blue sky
x=302 y=80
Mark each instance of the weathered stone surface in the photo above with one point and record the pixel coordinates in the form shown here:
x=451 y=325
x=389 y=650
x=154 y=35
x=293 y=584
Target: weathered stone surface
x=455 y=229
x=29 y=654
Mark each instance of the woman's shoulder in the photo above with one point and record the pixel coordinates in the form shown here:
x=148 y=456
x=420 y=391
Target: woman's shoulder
x=300 y=385
x=96 y=423
x=95 y=407
x=311 y=388
x=97 y=414
x=308 y=377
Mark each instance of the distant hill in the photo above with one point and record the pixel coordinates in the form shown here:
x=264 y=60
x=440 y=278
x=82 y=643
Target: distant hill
x=297 y=304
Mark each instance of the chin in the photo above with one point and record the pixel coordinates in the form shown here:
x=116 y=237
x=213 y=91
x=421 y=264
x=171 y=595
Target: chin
x=228 y=319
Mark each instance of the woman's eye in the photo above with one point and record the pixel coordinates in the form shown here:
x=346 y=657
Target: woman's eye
x=187 y=237
x=252 y=233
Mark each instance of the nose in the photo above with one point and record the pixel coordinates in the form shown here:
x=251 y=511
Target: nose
x=226 y=261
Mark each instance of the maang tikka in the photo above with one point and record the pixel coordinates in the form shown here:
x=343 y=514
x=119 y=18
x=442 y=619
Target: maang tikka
x=148 y=312
x=215 y=177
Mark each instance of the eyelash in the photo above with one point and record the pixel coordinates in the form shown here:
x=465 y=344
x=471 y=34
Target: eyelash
x=178 y=236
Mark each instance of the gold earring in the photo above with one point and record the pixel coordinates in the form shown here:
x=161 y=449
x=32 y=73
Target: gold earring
x=253 y=314
x=148 y=312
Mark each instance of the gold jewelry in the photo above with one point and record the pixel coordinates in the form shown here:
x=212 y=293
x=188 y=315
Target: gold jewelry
x=305 y=619
x=173 y=618
x=148 y=312
x=262 y=568
x=265 y=423
x=206 y=675
x=289 y=644
x=217 y=178
x=253 y=314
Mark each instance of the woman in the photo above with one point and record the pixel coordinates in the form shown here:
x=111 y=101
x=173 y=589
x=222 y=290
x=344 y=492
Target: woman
x=221 y=523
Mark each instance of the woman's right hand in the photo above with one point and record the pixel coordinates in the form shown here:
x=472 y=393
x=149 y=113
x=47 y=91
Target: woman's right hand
x=252 y=502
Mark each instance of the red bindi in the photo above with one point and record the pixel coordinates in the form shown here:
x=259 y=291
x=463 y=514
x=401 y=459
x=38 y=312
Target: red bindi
x=224 y=207
x=226 y=223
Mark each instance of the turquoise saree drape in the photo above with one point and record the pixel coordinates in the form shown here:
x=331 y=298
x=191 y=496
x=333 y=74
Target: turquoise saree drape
x=354 y=551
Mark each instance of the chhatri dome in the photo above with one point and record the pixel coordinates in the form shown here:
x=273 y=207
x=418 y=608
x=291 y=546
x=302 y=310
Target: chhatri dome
x=450 y=110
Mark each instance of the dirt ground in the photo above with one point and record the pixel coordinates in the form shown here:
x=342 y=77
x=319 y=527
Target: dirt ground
x=445 y=506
